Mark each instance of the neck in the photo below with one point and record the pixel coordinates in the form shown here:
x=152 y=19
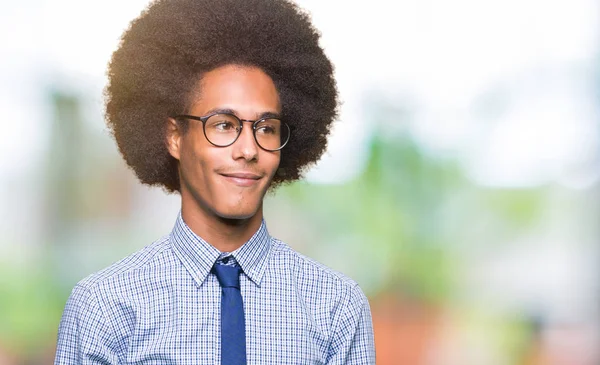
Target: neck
x=225 y=234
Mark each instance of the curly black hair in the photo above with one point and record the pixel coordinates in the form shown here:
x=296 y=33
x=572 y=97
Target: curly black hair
x=167 y=49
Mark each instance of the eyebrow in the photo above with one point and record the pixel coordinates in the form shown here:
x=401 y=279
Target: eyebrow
x=231 y=111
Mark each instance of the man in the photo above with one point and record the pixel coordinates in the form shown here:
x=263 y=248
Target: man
x=218 y=100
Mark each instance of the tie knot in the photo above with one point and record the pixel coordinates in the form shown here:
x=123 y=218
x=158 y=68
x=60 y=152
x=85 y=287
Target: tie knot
x=228 y=276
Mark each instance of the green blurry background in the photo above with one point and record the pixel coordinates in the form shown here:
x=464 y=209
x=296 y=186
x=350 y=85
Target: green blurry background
x=460 y=187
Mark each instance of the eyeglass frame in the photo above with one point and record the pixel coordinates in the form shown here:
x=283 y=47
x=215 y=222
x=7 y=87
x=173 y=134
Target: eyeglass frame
x=205 y=118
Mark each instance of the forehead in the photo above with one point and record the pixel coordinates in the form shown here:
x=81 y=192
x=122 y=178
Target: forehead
x=247 y=90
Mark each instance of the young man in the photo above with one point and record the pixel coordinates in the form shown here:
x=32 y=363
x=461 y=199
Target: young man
x=218 y=100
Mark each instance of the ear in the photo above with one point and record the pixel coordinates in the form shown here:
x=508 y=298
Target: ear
x=174 y=136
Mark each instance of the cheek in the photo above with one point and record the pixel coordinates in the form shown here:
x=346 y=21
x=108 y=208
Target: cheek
x=193 y=158
x=273 y=161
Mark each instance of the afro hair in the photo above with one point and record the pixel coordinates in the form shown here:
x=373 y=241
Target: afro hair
x=167 y=49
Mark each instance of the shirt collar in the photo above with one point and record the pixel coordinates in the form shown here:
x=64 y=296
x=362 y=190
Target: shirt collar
x=198 y=256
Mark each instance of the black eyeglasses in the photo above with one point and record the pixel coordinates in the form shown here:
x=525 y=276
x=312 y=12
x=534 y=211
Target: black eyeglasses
x=223 y=129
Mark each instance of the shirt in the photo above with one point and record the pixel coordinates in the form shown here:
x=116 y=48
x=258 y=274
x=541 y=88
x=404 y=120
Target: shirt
x=161 y=305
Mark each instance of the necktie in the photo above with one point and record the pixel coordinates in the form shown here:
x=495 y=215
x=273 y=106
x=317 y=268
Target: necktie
x=233 y=327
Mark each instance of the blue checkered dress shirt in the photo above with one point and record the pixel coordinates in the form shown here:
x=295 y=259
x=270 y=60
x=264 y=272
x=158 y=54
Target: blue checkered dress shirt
x=161 y=306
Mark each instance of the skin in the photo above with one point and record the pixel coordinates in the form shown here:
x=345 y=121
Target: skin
x=222 y=188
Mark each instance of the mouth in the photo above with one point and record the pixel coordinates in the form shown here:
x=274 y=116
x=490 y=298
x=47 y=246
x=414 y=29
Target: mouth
x=244 y=179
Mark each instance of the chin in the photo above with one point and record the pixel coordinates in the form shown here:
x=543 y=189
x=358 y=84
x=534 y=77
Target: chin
x=237 y=213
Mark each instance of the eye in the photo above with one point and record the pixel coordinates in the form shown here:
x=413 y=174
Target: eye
x=222 y=123
x=224 y=126
x=265 y=129
x=268 y=127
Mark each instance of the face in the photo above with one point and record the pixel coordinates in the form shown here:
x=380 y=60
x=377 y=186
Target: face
x=227 y=182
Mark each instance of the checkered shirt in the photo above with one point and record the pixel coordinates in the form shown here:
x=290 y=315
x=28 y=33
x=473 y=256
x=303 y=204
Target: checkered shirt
x=161 y=305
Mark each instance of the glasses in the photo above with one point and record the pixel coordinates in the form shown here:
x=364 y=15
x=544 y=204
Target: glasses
x=223 y=129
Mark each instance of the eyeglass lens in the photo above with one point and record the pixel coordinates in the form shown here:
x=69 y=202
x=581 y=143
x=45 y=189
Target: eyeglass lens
x=223 y=129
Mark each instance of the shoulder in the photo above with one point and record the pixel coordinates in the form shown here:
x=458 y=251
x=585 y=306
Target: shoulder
x=152 y=257
x=315 y=276
x=108 y=302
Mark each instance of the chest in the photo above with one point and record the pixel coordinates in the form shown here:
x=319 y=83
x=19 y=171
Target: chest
x=181 y=325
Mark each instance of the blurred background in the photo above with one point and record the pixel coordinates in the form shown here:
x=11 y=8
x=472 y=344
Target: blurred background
x=460 y=188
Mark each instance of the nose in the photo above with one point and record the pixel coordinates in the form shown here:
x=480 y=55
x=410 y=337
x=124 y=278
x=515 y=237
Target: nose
x=245 y=146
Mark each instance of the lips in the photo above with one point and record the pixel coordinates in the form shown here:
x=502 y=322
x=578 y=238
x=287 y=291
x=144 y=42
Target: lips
x=242 y=178
x=242 y=175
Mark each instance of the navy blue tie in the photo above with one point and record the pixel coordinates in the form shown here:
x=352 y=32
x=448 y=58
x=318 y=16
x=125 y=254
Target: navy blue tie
x=233 y=326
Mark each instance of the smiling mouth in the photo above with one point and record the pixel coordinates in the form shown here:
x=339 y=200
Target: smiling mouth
x=242 y=178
